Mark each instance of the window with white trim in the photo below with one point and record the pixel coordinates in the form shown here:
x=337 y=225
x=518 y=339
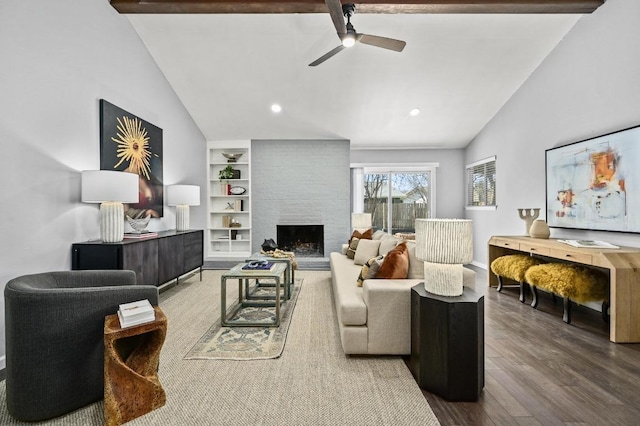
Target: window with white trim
x=481 y=184
x=395 y=195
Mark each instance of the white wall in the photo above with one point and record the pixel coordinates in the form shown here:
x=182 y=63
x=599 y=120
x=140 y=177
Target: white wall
x=58 y=58
x=449 y=175
x=589 y=85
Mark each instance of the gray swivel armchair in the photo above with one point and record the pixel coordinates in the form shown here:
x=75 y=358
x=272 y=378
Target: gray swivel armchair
x=54 y=325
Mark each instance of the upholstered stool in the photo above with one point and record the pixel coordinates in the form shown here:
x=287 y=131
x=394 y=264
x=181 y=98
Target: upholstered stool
x=572 y=283
x=513 y=267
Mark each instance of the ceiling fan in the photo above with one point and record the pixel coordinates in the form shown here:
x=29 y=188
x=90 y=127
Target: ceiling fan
x=348 y=35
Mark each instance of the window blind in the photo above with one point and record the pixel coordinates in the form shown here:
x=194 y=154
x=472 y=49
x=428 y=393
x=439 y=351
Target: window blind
x=481 y=183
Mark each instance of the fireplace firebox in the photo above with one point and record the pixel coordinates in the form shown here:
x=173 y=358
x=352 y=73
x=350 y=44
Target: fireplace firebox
x=303 y=240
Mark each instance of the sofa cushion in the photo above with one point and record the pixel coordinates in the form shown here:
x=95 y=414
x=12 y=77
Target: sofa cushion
x=350 y=305
x=366 y=250
x=369 y=269
x=387 y=242
x=378 y=234
x=416 y=266
x=396 y=263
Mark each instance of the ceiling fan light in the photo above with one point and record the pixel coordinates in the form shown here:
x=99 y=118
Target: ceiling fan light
x=348 y=40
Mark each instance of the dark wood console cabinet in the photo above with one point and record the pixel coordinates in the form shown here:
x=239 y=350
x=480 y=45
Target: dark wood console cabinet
x=155 y=260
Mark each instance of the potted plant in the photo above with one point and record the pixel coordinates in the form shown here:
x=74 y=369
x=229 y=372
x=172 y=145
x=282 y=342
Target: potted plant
x=224 y=175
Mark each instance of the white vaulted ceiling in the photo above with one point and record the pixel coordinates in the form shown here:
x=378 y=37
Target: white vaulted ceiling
x=459 y=70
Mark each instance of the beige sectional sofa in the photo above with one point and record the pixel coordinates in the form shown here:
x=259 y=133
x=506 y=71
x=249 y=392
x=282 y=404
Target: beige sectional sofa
x=376 y=318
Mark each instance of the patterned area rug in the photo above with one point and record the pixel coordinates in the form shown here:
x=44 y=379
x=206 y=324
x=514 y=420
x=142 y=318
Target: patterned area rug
x=249 y=343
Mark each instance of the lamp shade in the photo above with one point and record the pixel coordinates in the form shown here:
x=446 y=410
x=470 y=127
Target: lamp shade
x=361 y=220
x=183 y=195
x=110 y=188
x=99 y=186
x=448 y=241
x=444 y=245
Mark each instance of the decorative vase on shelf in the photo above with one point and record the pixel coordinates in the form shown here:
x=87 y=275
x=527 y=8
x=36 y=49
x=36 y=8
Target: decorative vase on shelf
x=528 y=215
x=539 y=229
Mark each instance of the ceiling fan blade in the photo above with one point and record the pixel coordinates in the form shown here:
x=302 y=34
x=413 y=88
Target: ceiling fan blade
x=326 y=56
x=337 y=16
x=384 y=42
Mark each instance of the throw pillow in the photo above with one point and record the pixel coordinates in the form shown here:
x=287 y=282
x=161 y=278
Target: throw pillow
x=369 y=269
x=353 y=245
x=366 y=235
x=396 y=263
x=366 y=250
x=374 y=268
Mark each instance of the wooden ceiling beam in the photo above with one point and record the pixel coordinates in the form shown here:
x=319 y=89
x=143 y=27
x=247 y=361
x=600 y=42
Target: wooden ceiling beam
x=370 y=6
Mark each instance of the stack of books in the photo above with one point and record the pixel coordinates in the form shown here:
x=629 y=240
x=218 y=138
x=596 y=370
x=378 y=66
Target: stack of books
x=136 y=313
x=589 y=244
x=226 y=221
x=138 y=235
x=258 y=266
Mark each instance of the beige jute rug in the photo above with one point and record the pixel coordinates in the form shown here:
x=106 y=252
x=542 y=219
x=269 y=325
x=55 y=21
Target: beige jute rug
x=312 y=383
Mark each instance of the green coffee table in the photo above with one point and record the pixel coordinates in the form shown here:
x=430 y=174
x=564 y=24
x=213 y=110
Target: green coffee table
x=289 y=273
x=243 y=278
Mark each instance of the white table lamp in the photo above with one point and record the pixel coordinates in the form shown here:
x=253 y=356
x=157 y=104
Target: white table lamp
x=183 y=196
x=361 y=220
x=110 y=188
x=444 y=245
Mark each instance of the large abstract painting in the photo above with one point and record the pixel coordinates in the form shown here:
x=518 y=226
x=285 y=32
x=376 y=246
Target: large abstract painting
x=129 y=143
x=595 y=184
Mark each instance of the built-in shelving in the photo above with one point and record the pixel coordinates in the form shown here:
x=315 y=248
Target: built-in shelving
x=229 y=214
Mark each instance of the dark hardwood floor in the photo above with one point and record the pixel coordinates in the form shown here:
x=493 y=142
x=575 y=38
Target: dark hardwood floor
x=541 y=371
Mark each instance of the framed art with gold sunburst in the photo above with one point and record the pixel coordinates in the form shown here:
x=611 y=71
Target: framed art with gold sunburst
x=129 y=143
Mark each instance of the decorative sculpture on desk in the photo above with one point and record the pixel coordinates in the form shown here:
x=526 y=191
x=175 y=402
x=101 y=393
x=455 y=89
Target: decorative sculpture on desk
x=528 y=215
x=539 y=229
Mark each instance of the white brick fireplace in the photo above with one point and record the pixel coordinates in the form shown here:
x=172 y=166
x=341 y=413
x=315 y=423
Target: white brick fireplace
x=300 y=182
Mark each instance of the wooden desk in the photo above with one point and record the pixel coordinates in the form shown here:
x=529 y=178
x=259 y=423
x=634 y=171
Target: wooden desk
x=624 y=272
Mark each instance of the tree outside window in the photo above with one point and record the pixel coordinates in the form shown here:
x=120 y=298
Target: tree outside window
x=396 y=199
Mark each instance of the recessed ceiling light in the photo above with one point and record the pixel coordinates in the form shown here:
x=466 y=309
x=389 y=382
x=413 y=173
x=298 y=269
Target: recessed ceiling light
x=276 y=108
x=414 y=112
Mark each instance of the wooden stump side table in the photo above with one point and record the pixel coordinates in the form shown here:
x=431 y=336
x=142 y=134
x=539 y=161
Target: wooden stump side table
x=131 y=359
x=447 y=343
